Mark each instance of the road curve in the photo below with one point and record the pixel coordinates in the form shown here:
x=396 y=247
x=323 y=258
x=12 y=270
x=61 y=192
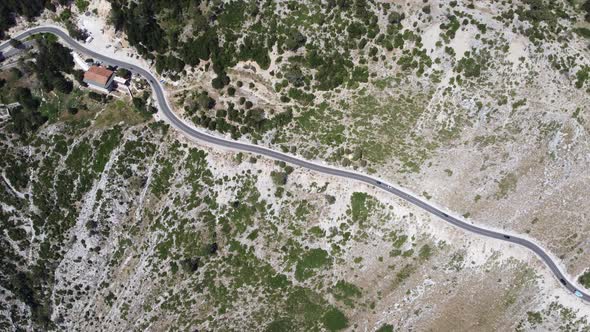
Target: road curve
x=194 y=133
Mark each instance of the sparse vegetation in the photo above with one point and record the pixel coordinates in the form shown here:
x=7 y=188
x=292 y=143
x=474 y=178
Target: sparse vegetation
x=154 y=227
x=506 y=184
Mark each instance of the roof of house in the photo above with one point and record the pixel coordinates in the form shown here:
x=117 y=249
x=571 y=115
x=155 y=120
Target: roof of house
x=98 y=75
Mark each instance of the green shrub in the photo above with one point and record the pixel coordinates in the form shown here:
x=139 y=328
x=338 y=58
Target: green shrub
x=385 y=328
x=584 y=279
x=311 y=261
x=334 y=320
x=82 y=5
x=582 y=76
x=279 y=178
x=295 y=40
x=470 y=67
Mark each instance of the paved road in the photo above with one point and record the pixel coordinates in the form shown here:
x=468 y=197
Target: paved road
x=193 y=133
x=6 y=55
x=13 y=51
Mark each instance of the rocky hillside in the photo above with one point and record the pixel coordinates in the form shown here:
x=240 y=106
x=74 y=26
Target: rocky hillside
x=111 y=220
x=114 y=222
x=480 y=106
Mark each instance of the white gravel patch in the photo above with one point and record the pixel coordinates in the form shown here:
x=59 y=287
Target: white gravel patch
x=430 y=37
x=107 y=42
x=518 y=49
x=461 y=43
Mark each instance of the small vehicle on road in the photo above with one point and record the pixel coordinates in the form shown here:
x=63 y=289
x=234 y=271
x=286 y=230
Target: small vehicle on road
x=578 y=293
x=506 y=237
x=562 y=281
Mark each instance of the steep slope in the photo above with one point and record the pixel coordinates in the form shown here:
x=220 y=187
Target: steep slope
x=480 y=106
x=113 y=223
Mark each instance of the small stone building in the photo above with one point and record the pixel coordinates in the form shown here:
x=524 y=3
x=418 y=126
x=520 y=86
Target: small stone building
x=99 y=78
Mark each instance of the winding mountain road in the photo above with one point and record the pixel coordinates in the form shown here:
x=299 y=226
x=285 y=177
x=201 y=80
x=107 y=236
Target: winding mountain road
x=174 y=120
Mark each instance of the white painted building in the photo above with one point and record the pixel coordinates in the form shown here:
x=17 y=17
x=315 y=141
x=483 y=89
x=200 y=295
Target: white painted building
x=99 y=78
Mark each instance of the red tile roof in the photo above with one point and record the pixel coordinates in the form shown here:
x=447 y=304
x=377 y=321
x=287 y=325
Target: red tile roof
x=98 y=75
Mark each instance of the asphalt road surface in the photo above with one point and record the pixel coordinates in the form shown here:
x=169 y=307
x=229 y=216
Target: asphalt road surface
x=194 y=133
x=13 y=51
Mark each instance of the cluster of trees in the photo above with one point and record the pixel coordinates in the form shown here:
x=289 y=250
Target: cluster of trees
x=472 y=64
x=255 y=49
x=138 y=20
x=240 y=121
x=141 y=105
x=26 y=98
x=582 y=76
x=27 y=286
x=26 y=119
x=122 y=72
x=279 y=178
x=202 y=101
x=537 y=12
x=169 y=62
x=190 y=265
x=99 y=97
x=76 y=32
x=295 y=40
x=10 y=9
x=332 y=69
x=221 y=125
x=199 y=47
x=543 y=17
x=73 y=30
x=146 y=22
x=52 y=60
